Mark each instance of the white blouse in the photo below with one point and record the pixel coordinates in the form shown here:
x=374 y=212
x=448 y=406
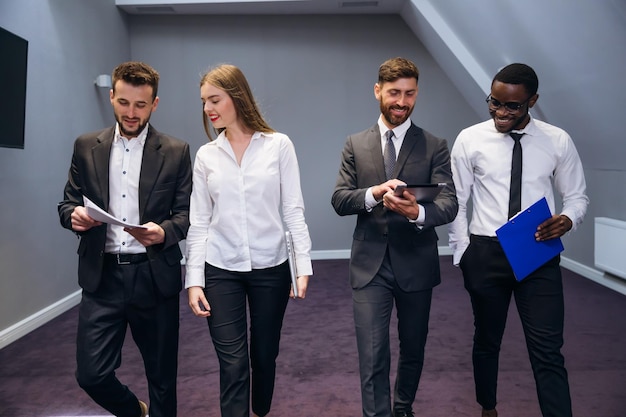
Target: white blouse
x=238 y=213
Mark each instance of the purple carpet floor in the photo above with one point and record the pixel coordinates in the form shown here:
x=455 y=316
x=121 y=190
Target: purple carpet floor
x=317 y=372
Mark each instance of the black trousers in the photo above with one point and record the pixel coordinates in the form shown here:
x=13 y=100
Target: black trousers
x=127 y=297
x=372 y=306
x=267 y=293
x=490 y=282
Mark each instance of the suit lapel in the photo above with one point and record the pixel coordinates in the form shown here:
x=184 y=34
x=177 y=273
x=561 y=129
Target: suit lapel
x=101 y=154
x=376 y=152
x=411 y=139
x=151 y=165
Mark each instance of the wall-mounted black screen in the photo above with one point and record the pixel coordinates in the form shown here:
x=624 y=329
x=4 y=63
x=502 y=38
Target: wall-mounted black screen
x=13 y=58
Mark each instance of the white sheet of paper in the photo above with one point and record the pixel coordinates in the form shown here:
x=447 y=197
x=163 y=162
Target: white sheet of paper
x=100 y=215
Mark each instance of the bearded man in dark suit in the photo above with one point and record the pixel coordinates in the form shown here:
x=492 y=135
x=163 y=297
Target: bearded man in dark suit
x=394 y=250
x=130 y=276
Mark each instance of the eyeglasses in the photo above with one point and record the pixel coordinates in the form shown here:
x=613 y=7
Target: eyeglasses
x=511 y=106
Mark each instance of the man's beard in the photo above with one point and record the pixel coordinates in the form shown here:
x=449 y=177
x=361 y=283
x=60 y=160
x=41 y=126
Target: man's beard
x=130 y=133
x=394 y=120
x=516 y=122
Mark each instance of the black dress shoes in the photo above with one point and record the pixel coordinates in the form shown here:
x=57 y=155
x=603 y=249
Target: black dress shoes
x=403 y=413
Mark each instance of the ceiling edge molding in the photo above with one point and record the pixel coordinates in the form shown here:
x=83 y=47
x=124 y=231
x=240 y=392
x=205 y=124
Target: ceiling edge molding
x=448 y=50
x=451 y=54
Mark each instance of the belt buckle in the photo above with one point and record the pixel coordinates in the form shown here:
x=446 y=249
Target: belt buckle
x=119 y=261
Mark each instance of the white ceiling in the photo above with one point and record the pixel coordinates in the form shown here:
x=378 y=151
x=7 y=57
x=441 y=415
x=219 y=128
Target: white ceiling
x=188 y=7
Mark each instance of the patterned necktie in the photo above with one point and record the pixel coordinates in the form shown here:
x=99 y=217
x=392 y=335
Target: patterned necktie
x=390 y=155
x=515 y=196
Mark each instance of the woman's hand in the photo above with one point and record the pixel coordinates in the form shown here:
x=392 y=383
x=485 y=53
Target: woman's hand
x=198 y=302
x=303 y=283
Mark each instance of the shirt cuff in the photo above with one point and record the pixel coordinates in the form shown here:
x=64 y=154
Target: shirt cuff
x=370 y=201
x=194 y=277
x=421 y=216
x=458 y=250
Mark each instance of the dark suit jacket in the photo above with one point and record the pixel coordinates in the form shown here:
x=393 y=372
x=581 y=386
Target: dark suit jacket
x=423 y=158
x=164 y=191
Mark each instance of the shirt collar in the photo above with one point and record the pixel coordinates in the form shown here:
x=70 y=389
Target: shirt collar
x=398 y=131
x=221 y=138
x=141 y=137
x=529 y=129
x=258 y=135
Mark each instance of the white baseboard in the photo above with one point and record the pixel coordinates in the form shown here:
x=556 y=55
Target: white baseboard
x=22 y=328
x=330 y=254
x=607 y=280
x=444 y=250
x=345 y=253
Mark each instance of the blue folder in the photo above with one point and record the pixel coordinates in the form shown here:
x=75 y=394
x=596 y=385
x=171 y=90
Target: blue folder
x=517 y=238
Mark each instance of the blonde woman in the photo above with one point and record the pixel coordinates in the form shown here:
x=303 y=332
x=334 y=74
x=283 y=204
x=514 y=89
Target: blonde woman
x=246 y=189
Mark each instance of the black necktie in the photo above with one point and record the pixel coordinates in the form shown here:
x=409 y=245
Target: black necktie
x=390 y=155
x=515 y=196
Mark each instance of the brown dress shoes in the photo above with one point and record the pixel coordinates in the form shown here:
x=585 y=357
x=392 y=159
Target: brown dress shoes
x=489 y=413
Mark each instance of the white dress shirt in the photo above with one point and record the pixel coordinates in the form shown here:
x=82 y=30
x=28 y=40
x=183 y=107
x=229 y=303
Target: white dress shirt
x=481 y=168
x=399 y=132
x=235 y=211
x=124 y=171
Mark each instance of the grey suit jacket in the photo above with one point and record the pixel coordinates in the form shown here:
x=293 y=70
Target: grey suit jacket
x=423 y=158
x=164 y=192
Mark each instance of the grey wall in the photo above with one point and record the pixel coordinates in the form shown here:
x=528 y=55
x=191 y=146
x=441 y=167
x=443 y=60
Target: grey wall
x=66 y=51
x=577 y=49
x=314 y=79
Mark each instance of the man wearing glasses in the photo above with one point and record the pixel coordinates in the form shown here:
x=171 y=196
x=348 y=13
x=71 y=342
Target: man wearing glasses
x=486 y=163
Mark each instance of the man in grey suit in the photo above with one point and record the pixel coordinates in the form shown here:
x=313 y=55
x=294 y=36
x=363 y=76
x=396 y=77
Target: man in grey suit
x=130 y=276
x=394 y=248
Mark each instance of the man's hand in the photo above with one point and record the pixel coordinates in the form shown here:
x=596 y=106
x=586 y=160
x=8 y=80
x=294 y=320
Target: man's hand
x=556 y=226
x=81 y=222
x=378 y=191
x=153 y=234
x=405 y=204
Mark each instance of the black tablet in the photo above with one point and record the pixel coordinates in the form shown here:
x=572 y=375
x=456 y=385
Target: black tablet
x=424 y=193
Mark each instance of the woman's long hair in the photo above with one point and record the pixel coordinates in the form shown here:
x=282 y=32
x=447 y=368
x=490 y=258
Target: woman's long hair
x=230 y=79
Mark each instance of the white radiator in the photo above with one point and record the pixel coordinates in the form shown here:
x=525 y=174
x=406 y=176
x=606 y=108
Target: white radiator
x=610 y=241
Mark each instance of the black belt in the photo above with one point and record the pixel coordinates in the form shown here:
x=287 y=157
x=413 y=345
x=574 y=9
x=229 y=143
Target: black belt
x=485 y=238
x=126 y=258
